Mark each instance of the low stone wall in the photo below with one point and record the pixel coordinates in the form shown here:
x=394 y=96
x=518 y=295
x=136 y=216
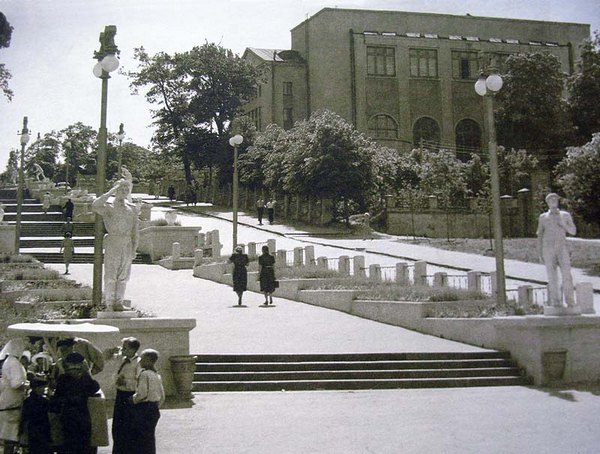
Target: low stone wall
x=157 y=241
x=340 y=300
x=169 y=336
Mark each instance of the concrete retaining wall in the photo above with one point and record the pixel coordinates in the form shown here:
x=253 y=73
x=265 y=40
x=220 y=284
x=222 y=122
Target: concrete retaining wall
x=157 y=241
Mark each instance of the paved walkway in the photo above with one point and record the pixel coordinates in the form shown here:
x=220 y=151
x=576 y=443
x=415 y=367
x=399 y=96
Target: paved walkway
x=463 y=420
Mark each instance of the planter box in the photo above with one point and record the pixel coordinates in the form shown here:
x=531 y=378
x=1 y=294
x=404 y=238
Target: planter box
x=157 y=241
x=340 y=300
x=23 y=306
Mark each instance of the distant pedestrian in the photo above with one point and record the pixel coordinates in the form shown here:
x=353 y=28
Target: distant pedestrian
x=266 y=274
x=68 y=209
x=260 y=209
x=240 y=273
x=271 y=210
x=157 y=191
x=68 y=249
x=149 y=396
x=46 y=202
x=171 y=193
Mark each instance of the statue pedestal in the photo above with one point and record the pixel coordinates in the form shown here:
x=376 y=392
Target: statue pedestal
x=561 y=310
x=116 y=314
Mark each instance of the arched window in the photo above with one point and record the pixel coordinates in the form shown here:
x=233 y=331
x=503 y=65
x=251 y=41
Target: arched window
x=383 y=126
x=468 y=138
x=426 y=130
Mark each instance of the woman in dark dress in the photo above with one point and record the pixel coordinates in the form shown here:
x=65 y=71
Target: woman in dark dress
x=266 y=275
x=240 y=274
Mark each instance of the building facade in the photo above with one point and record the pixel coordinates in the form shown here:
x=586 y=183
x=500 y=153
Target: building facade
x=401 y=78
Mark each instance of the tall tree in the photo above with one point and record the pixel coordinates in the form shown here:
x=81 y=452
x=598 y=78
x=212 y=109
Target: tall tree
x=584 y=91
x=201 y=89
x=5 y=35
x=532 y=113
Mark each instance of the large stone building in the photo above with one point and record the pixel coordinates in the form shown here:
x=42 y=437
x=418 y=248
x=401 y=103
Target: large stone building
x=399 y=77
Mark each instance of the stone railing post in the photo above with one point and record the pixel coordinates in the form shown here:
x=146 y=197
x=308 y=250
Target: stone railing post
x=281 y=257
x=440 y=279
x=375 y=272
x=251 y=250
x=525 y=296
x=344 y=265
x=493 y=285
x=216 y=245
x=298 y=256
x=322 y=263
x=201 y=240
x=420 y=275
x=272 y=245
x=474 y=281
x=309 y=255
x=402 y=273
x=198 y=256
x=359 y=266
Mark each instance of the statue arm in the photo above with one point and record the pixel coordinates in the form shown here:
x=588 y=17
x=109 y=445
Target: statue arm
x=99 y=205
x=135 y=237
x=568 y=224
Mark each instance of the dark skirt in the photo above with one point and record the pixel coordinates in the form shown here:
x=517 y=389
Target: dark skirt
x=240 y=279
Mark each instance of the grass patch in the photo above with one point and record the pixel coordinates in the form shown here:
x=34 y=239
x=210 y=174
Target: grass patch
x=510 y=308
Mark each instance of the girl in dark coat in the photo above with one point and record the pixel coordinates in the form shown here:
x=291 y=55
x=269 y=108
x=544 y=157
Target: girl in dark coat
x=240 y=274
x=266 y=275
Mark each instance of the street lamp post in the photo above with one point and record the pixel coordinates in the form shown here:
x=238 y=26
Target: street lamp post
x=24 y=140
x=235 y=142
x=488 y=87
x=120 y=137
x=67 y=153
x=107 y=63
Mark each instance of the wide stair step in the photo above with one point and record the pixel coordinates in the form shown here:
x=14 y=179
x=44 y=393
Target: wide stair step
x=54 y=242
x=355 y=371
x=54 y=229
x=83 y=257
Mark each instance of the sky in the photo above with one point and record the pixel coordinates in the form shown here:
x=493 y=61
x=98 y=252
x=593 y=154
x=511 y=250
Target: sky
x=53 y=41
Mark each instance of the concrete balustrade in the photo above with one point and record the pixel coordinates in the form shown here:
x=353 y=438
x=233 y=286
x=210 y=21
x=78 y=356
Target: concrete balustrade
x=440 y=280
x=322 y=262
x=281 y=256
x=309 y=255
x=525 y=296
x=359 y=266
x=298 y=256
x=474 y=281
x=420 y=277
x=344 y=265
x=402 y=277
x=375 y=272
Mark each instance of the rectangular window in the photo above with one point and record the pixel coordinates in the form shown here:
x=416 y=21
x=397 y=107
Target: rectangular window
x=287 y=89
x=423 y=63
x=288 y=118
x=381 y=61
x=465 y=65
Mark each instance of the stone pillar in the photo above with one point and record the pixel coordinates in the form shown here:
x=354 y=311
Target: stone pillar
x=402 y=273
x=493 y=286
x=584 y=296
x=251 y=249
x=198 y=257
x=216 y=245
x=281 y=256
x=474 y=281
x=344 y=265
x=525 y=296
x=201 y=240
x=309 y=255
x=322 y=262
x=176 y=254
x=359 y=266
x=440 y=279
x=298 y=256
x=272 y=245
x=375 y=272
x=420 y=274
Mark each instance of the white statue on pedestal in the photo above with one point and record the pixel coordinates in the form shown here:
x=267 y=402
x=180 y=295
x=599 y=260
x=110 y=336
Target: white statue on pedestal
x=553 y=227
x=39 y=172
x=120 y=243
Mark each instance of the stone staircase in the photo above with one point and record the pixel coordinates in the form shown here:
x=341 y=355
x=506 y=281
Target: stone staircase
x=41 y=233
x=296 y=372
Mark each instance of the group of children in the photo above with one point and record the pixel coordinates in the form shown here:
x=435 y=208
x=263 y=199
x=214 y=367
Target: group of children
x=44 y=404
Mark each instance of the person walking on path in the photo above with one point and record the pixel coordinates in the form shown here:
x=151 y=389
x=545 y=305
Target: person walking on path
x=148 y=397
x=12 y=393
x=171 y=193
x=68 y=209
x=125 y=381
x=46 y=202
x=271 y=210
x=240 y=273
x=68 y=249
x=266 y=274
x=260 y=209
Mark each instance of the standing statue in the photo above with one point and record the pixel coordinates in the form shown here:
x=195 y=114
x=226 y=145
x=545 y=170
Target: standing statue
x=553 y=227
x=120 y=243
x=39 y=172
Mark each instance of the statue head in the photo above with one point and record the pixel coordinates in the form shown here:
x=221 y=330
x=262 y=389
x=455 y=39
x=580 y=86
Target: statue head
x=552 y=200
x=124 y=188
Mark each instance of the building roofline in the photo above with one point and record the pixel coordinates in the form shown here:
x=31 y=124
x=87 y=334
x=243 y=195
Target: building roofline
x=359 y=10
